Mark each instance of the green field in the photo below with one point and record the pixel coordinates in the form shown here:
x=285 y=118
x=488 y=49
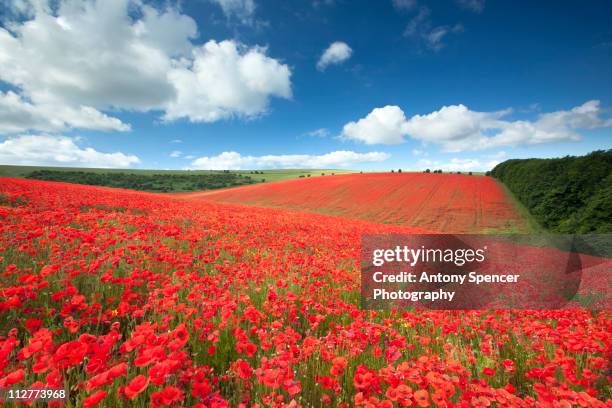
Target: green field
x=286 y=174
x=269 y=175
x=257 y=176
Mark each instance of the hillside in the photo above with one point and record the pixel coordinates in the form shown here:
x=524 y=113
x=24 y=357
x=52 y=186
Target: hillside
x=569 y=194
x=163 y=181
x=121 y=293
x=437 y=202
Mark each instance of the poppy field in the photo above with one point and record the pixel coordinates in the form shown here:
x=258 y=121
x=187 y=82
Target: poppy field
x=125 y=298
x=451 y=203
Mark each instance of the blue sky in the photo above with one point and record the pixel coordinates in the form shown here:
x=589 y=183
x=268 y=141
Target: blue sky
x=458 y=85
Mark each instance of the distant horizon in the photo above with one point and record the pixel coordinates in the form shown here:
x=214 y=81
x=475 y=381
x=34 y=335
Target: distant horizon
x=283 y=169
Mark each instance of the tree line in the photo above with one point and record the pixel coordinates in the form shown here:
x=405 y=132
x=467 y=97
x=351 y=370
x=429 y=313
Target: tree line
x=154 y=182
x=572 y=194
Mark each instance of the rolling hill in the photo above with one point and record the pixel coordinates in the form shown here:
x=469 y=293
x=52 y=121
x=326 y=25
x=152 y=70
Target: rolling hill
x=436 y=202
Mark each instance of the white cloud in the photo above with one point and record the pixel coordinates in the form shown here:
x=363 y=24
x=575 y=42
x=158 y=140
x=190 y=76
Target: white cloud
x=457 y=128
x=176 y=141
x=243 y=10
x=321 y=132
x=319 y=3
x=434 y=38
x=19 y=115
x=235 y=161
x=125 y=55
x=404 y=4
x=381 y=126
x=476 y=6
x=420 y=22
x=175 y=153
x=16 y=8
x=336 y=53
x=59 y=151
x=422 y=30
x=456 y=164
x=483 y=163
x=227 y=79
x=462 y=165
x=92 y=53
x=450 y=124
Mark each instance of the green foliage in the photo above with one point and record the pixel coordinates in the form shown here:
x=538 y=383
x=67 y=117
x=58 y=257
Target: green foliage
x=163 y=182
x=569 y=194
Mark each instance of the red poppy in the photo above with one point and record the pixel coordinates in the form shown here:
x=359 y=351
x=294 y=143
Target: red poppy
x=94 y=399
x=422 y=398
x=136 y=386
x=488 y=371
x=210 y=300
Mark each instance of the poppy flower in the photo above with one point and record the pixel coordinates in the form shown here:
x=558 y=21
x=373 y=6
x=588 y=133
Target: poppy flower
x=201 y=300
x=94 y=399
x=422 y=398
x=136 y=386
x=488 y=371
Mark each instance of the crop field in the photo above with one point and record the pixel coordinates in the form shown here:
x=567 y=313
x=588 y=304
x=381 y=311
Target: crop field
x=126 y=298
x=436 y=202
x=260 y=176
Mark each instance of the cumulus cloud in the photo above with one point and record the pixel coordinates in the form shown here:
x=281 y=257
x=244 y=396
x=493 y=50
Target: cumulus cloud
x=243 y=10
x=336 y=53
x=58 y=151
x=457 y=128
x=450 y=124
x=482 y=163
x=92 y=53
x=227 y=79
x=19 y=115
x=17 y=8
x=175 y=153
x=236 y=161
x=457 y=164
x=126 y=55
x=381 y=126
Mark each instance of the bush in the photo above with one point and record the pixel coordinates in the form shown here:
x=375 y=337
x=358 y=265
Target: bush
x=162 y=182
x=568 y=195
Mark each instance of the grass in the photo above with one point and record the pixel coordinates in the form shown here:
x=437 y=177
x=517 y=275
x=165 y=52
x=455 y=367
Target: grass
x=261 y=176
x=286 y=174
x=533 y=226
